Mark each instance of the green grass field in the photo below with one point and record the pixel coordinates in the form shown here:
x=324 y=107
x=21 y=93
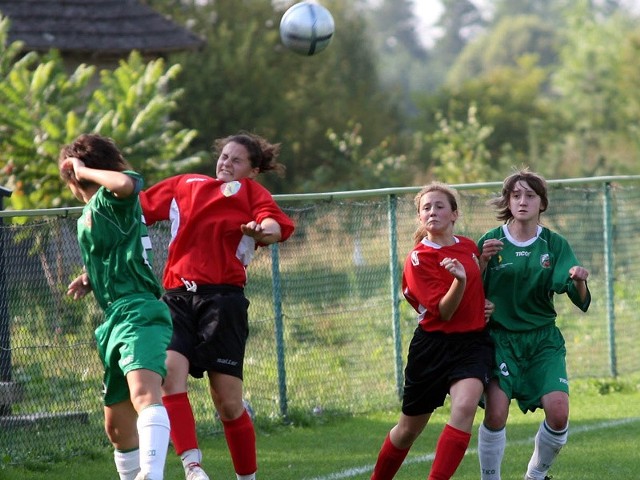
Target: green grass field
x=605 y=427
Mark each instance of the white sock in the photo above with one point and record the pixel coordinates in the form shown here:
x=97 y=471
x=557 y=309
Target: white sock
x=491 y=446
x=153 y=432
x=191 y=456
x=127 y=463
x=251 y=476
x=547 y=446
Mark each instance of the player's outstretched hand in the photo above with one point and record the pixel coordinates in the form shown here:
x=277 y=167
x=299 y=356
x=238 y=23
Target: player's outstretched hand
x=79 y=287
x=253 y=229
x=578 y=273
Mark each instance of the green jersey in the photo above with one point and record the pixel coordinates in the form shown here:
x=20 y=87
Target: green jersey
x=115 y=246
x=523 y=277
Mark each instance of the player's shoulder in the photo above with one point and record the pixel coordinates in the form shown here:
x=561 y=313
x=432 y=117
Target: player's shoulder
x=195 y=178
x=181 y=179
x=422 y=249
x=551 y=236
x=465 y=240
x=496 y=232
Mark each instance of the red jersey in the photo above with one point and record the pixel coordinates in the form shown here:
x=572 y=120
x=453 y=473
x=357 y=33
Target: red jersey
x=425 y=282
x=207 y=246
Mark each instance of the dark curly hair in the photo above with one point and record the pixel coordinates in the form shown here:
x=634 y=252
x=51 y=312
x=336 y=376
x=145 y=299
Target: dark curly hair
x=262 y=154
x=95 y=151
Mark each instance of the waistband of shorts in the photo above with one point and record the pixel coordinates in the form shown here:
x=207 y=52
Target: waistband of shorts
x=454 y=336
x=206 y=289
x=497 y=326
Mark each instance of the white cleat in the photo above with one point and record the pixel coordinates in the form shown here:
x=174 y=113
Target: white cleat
x=195 y=472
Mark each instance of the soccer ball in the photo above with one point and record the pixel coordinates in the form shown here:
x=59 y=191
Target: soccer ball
x=306 y=28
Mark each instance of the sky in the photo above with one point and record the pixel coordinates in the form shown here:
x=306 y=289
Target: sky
x=427 y=12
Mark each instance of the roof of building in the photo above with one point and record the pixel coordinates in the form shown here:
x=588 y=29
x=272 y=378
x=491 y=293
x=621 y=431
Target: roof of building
x=97 y=27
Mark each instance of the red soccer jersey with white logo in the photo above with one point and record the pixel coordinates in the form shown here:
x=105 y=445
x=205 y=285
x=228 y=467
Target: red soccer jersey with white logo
x=425 y=282
x=207 y=246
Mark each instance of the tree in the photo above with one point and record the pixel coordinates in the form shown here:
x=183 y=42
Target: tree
x=597 y=91
x=504 y=45
x=460 y=151
x=245 y=79
x=43 y=107
x=403 y=62
x=523 y=121
x=377 y=166
x=460 y=22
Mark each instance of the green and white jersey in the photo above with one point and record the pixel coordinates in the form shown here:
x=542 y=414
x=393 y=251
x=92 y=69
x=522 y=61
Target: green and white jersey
x=522 y=279
x=115 y=246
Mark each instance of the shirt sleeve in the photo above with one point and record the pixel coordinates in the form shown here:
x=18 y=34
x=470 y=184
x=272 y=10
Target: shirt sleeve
x=264 y=206
x=423 y=282
x=156 y=200
x=561 y=281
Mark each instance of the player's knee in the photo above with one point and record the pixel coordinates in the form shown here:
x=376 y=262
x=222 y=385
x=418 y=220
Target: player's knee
x=495 y=419
x=121 y=438
x=556 y=410
x=229 y=408
x=557 y=421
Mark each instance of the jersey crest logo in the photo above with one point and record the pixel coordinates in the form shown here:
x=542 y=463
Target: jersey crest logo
x=545 y=260
x=415 y=261
x=230 y=188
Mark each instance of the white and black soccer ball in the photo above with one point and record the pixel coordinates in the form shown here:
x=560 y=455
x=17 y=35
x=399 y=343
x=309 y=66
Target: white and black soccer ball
x=307 y=28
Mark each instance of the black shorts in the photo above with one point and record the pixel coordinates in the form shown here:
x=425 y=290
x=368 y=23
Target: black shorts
x=210 y=328
x=436 y=360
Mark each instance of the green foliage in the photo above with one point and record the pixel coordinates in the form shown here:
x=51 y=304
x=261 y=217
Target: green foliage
x=590 y=71
x=459 y=148
x=457 y=19
x=524 y=123
x=608 y=386
x=504 y=45
x=42 y=107
x=598 y=91
x=378 y=166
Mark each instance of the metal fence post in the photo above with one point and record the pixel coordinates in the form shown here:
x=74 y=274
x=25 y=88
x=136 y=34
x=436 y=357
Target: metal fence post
x=609 y=277
x=5 y=332
x=395 y=296
x=279 y=328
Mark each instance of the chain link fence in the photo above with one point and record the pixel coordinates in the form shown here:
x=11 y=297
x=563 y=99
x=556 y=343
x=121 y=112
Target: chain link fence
x=329 y=328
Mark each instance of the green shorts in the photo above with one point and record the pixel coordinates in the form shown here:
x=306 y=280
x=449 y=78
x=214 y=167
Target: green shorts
x=134 y=335
x=530 y=364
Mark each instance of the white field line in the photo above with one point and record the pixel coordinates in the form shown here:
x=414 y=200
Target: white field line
x=352 y=472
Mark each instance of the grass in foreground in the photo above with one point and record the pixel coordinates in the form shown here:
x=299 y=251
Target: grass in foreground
x=605 y=426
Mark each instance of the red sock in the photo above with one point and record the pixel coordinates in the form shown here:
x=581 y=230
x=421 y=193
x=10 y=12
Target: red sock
x=241 y=439
x=183 y=425
x=389 y=461
x=449 y=453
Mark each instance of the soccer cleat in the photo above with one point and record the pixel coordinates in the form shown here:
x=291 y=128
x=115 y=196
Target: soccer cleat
x=527 y=477
x=195 y=472
x=141 y=476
